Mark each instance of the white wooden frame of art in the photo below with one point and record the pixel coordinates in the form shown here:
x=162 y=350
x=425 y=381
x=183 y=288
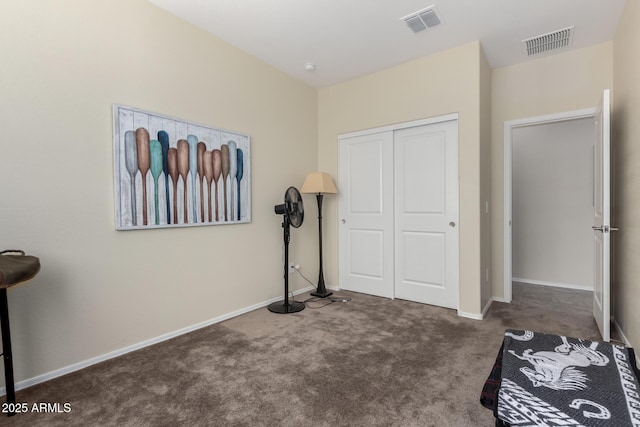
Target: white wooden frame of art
x=174 y=173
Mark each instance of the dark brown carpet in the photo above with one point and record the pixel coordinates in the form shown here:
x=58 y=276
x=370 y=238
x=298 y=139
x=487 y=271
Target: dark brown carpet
x=367 y=362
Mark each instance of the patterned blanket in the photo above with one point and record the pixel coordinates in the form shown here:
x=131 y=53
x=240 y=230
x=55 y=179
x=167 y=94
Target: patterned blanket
x=551 y=380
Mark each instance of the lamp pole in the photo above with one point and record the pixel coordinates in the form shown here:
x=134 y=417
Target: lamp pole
x=322 y=290
x=319 y=183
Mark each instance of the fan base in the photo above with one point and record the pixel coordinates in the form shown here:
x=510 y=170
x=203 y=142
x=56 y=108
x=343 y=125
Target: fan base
x=280 y=307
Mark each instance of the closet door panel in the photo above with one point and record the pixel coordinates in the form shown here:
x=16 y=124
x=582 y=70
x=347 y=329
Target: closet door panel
x=366 y=214
x=426 y=214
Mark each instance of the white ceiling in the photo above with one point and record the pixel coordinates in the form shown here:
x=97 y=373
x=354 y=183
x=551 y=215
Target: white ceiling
x=350 y=38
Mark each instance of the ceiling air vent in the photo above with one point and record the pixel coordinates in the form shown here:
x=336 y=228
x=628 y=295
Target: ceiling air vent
x=422 y=19
x=548 y=42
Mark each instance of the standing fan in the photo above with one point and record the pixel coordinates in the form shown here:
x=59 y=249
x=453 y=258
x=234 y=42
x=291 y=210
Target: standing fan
x=293 y=214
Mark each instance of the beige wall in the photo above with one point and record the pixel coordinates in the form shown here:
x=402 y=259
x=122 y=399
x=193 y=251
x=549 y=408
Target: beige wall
x=558 y=83
x=626 y=206
x=63 y=65
x=446 y=82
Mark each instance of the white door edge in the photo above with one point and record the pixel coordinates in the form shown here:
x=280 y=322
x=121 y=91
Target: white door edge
x=602 y=176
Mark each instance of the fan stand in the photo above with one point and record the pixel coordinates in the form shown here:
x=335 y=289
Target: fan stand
x=284 y=306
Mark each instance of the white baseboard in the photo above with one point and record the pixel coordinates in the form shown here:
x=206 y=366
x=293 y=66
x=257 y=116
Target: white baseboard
x=473 y=316
x=554 y=284
x=625 y=339
x=86 y=363
x=500 y=299
x=480 y=316
x=619 y=329
x=487 y=307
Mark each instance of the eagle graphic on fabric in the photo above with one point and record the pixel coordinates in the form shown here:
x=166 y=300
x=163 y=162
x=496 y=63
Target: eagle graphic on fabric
x=552 y=380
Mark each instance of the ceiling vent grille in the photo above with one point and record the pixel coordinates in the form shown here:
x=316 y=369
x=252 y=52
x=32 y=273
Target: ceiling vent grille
x=422 y=19
x=548 y=42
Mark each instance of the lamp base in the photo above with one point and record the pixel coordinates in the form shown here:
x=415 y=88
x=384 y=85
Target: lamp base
x=322 y=294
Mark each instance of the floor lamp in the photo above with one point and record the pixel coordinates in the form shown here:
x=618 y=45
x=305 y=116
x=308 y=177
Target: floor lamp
x=319 y=183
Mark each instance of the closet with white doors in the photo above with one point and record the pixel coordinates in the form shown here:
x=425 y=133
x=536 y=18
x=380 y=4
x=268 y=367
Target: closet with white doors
x=398 y=211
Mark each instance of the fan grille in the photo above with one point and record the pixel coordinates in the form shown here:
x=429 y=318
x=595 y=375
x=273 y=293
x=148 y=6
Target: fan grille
x=295 y=207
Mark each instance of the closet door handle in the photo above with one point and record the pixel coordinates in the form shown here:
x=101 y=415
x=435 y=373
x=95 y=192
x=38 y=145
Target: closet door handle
x=452 y=224
x=344 y=221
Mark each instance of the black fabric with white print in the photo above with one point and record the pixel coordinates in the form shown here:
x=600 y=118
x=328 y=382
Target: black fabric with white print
x=552 y=380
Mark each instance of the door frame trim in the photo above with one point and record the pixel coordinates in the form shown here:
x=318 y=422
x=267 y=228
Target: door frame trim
x=509 y=126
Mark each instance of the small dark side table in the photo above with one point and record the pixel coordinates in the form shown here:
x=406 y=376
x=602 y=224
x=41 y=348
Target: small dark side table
x=15 y=268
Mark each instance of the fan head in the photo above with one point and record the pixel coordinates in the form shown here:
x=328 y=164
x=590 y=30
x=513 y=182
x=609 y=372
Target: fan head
x=292 y=207
x=295 y=208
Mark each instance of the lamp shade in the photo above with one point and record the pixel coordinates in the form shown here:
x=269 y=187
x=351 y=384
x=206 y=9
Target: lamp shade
x=319 y=182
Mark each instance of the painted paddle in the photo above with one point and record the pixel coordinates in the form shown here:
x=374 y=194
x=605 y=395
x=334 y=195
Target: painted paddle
x=172 y=160
x=183 y=170
x=201 y=149
x=216 y=160
x=193 y=169
x=144 y=163
x=239 y=178
x=156 y=170
x=233 y=170
x=163 y=137
x=131 y=162
x=208 y=174
x=225 y=174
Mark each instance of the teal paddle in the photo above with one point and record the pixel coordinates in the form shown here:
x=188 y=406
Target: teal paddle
x=156 y=170
x=172 y=165
x=163 y=137
x=224 y=150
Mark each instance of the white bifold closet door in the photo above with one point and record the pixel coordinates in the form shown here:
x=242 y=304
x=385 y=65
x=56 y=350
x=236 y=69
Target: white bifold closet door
x=398 y=210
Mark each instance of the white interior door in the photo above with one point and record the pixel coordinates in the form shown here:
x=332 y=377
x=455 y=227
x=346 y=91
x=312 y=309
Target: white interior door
x=426 y=214
x=366 y=214
x=601 y=224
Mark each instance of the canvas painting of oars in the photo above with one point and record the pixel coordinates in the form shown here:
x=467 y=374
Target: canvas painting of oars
x=174 y=173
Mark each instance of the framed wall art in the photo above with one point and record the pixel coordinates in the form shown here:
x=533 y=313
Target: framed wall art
x=174 y=173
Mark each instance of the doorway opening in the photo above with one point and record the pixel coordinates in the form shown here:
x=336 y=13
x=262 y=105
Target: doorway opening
x=531 y=256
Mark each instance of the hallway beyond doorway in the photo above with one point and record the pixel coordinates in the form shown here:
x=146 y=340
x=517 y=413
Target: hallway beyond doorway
x=554 y=298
